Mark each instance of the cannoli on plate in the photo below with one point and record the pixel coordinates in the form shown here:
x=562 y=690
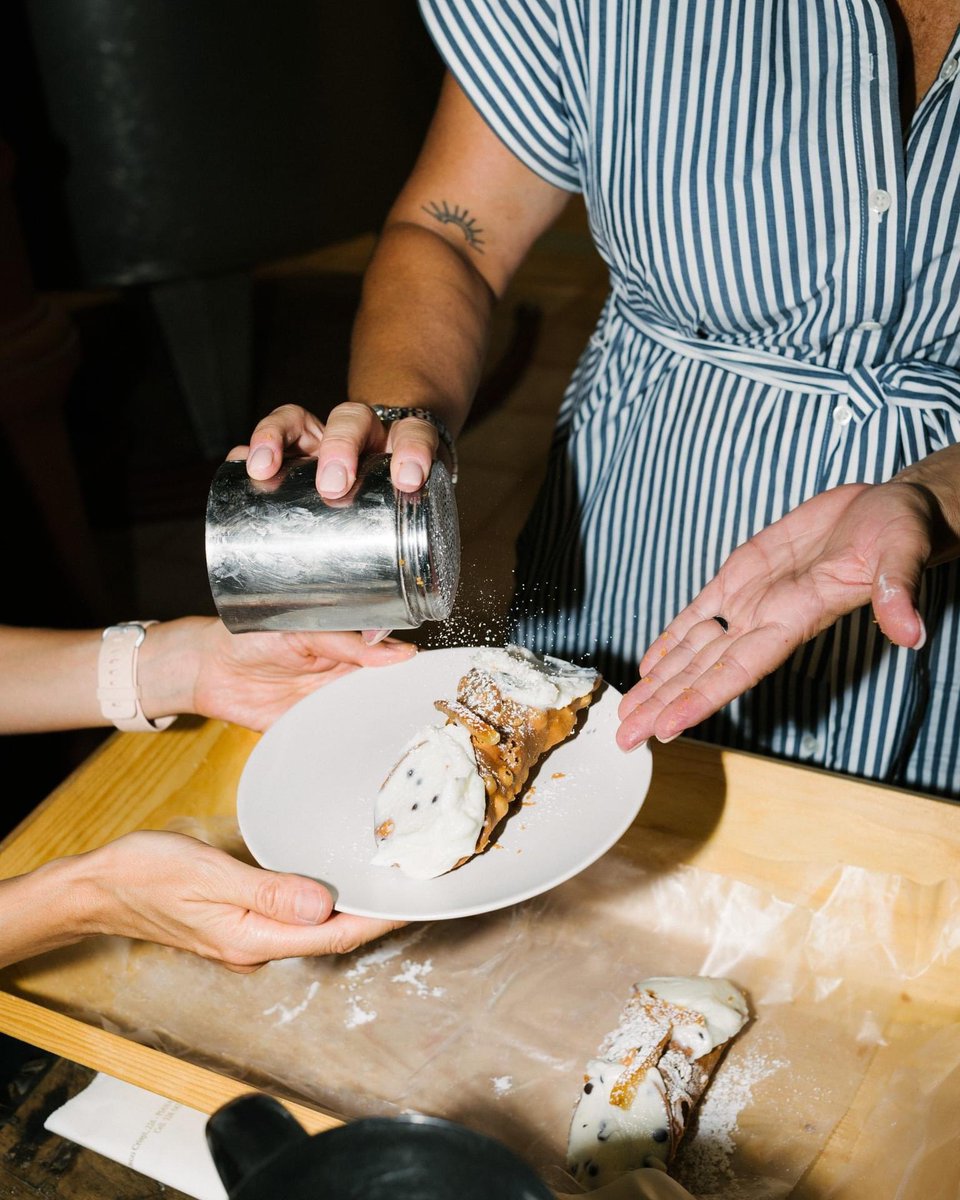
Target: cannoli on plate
x=640 y=1092
x=455 y=781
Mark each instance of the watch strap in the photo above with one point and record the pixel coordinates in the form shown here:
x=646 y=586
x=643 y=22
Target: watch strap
x=118 y=679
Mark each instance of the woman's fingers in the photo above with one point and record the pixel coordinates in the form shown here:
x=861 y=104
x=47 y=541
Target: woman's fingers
x=689 y=687
x=287 y=427
x=413 y=445
x=291 y=916
x=289 y=899
x=350 y=431
x=259 y=939
x=684 y=638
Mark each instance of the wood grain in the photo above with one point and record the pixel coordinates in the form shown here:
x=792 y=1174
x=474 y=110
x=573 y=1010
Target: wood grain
x=790 y=830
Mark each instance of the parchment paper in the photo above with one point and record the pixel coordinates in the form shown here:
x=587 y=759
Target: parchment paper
x=490 y=1020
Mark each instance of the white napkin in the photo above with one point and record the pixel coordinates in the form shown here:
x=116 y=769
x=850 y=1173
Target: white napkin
x=155 y=1136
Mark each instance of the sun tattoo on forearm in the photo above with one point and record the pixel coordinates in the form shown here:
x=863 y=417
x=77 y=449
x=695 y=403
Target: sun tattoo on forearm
x=460 y=217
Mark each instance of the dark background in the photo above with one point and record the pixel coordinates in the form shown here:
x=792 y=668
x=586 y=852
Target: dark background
x=164 y=152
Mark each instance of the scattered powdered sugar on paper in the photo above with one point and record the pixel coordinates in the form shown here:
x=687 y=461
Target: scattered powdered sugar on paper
x=358 y=1015
x=385 y=952
x=502 y=1084
x=294 y=1011
x=703 y=1163
x=551 y=1060
x=412 y=973
x=367 y=969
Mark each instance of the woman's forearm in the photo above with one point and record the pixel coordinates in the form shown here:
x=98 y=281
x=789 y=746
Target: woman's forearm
x=421 y=332
x=48 y=677
x=43 y=910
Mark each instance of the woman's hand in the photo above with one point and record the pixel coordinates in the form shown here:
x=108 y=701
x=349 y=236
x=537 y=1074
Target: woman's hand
x=177 y=891
x=351 y=431
x=839 y=550
x=195 y=665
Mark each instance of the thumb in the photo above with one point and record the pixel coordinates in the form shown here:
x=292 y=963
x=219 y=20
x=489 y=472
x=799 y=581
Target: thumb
x=289 y=899
x=894 y=598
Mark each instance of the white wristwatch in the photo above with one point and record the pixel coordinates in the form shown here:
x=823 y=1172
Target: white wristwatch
x=118 y=679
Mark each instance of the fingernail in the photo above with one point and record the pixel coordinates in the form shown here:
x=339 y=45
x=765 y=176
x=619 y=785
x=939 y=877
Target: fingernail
x=261 y=459
x=309 y=908
x=372 y=636
x=922 y=641
x=664 y=740
x=410 y=475
x=634 y=746
x=333 y=478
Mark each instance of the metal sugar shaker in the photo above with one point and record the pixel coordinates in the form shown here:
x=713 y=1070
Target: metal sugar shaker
x=280 y=556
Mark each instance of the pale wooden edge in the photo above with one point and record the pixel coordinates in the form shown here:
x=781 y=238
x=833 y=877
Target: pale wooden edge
x=156 y=1071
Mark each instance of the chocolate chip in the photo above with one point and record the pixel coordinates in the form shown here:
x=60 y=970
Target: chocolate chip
x=593 y=1170
x=660 y=1135
x=603 y=1132
x=414 y=807
x=435 y=799
x=588 y=1087
x=410 y=772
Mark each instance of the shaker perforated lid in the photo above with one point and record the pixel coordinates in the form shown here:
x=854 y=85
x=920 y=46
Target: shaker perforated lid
x=428 y=542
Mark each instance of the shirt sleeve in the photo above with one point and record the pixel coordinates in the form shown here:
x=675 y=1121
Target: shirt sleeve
x=506 y=56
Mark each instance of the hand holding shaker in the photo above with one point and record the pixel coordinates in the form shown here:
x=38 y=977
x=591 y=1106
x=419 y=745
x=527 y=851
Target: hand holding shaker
x=281 y=557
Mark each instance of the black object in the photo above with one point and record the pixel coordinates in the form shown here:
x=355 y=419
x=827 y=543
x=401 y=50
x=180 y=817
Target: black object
x=262 y=1153
x=199 y=137
x=175 y=145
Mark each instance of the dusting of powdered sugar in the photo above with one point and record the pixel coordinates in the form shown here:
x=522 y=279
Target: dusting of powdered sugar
x=368 y=969
x=285 y=1013
x=358 y=1015
x=413 y=974
x=704 y=1163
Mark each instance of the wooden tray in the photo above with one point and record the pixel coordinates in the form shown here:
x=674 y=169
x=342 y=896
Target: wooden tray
x=769 y=824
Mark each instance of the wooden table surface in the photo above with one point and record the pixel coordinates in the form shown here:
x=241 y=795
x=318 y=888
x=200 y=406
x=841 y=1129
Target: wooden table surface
x=783 y=828
x=35 y=1162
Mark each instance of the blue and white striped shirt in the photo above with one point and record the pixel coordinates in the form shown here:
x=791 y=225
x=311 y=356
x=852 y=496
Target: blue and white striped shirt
x=784 y=317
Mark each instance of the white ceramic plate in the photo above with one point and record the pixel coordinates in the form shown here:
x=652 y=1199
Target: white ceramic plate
x=306 y=796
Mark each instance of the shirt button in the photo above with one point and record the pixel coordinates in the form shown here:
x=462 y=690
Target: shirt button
x=879 y=201
x=809 y=745
x=870 y=326
x=842 y=414
x=948 y=70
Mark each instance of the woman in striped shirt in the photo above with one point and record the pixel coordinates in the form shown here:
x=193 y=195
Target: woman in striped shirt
x=775 y=189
